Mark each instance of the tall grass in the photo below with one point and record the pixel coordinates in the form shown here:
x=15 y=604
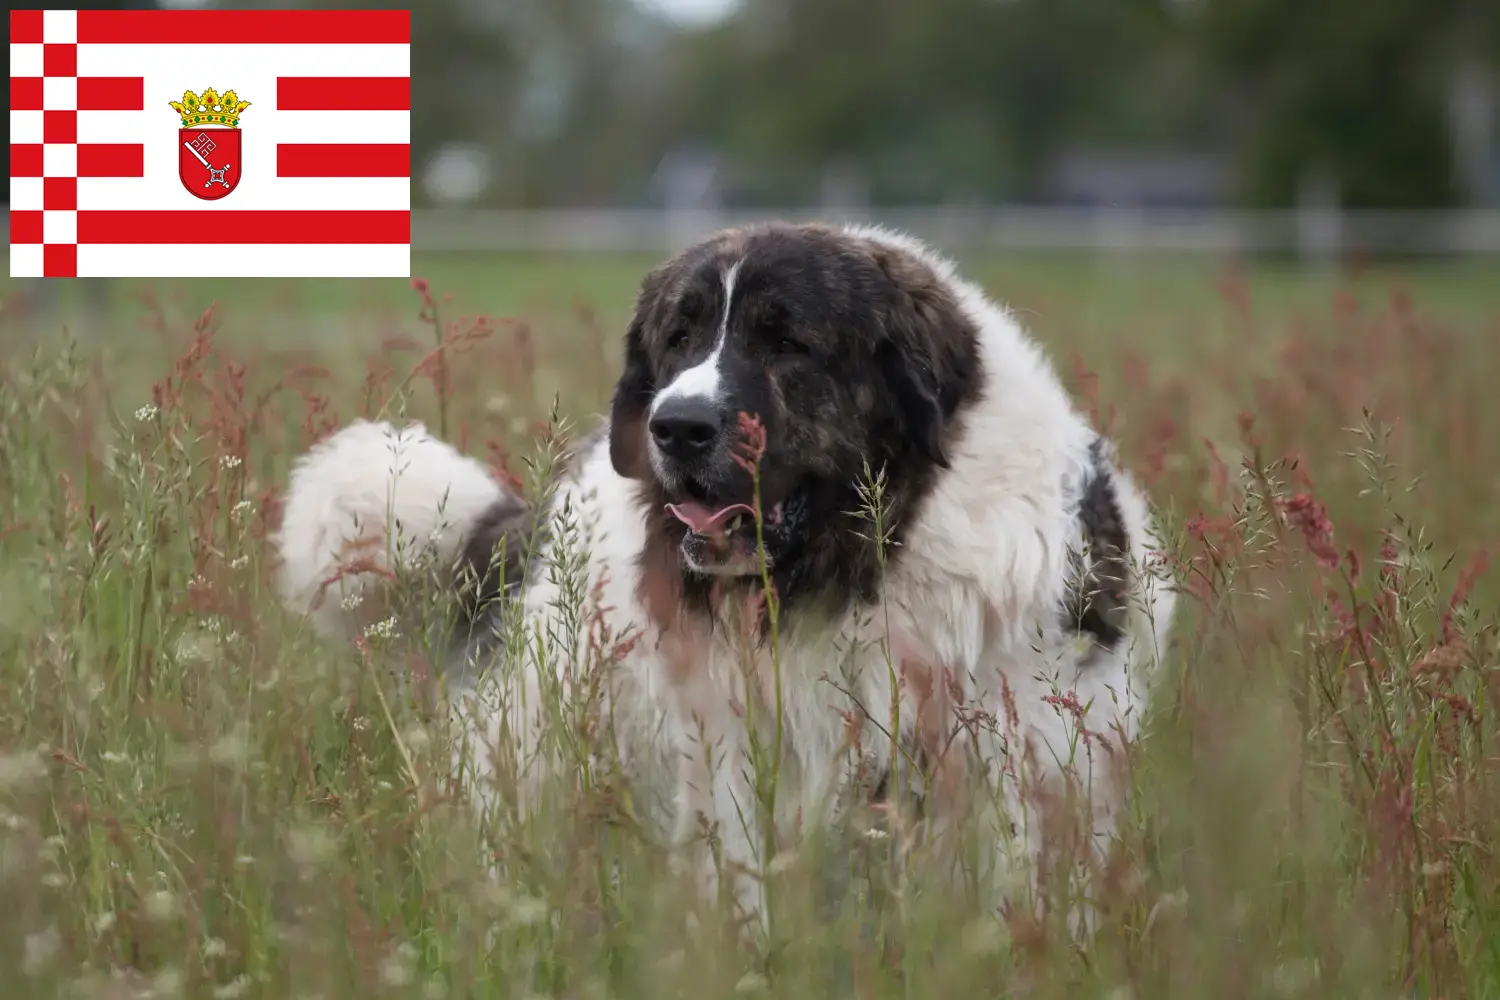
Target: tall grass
x=198 y=799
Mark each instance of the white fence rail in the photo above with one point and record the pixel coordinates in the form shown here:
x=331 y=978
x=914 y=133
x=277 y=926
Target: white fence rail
x=1316 y=234
x=1310 y=233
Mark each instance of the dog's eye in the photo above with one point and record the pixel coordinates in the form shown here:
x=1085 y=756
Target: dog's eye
x=677 y=340
x=786 y=345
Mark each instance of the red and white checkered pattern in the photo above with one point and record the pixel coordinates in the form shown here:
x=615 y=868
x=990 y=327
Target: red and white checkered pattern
x=44 y=141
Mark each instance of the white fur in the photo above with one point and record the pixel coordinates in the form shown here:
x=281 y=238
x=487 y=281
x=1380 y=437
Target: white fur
x=378 y=493
x=976 y=590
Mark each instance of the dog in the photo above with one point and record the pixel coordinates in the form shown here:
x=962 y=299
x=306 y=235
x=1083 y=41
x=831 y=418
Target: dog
x=842 y=506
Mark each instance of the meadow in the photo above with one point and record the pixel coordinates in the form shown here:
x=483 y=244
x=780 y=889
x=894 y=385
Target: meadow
x=200 y=799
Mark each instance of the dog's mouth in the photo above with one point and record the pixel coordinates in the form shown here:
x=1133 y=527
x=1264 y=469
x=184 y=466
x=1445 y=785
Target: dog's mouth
x=722 y=538
x=708 y=521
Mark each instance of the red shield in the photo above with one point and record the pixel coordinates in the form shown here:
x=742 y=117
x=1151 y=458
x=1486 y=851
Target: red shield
x=208 y=161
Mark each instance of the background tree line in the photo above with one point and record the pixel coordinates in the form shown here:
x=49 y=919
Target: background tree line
x=940 y=100
x=578 y=102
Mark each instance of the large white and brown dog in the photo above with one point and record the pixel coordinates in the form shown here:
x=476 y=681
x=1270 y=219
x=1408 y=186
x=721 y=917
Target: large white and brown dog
x=963 y=580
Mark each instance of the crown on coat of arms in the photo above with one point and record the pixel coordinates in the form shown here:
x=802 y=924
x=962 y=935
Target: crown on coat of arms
x=210 y=108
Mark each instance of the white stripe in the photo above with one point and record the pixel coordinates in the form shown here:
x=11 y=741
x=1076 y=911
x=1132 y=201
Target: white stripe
x=60 y=26
x=240 y=261
x=265 y=127
x=59 y=159
x=25 y=126
x=244 y=68
x=59 y=226
x=26 y=194
x=26 y=260
x=60 y=93
x=702 y=380
x=258 y=189
x=26 y=59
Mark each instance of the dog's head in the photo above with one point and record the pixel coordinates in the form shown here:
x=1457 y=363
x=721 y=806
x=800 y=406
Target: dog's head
x=845 y=349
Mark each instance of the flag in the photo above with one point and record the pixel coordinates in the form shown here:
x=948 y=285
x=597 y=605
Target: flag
x=233 y=143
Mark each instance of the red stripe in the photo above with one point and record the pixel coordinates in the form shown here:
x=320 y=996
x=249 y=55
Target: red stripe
x=351 y=159
x=25 y=226
x=343 y=93
x=26 y=159
x=111 y=93
x=111 y=159
x=60 y=126
x=25 y=27
x=244 y=27
x=60 y=260
x=26 y=93
x=211 y=227
x=60 y=59
x=95 y=159
x=60 y=194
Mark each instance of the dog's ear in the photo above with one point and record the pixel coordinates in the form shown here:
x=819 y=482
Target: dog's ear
x=627 y=417
x=928 y=351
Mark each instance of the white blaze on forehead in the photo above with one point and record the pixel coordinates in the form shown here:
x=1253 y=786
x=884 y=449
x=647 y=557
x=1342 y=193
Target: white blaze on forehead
x=702 y=380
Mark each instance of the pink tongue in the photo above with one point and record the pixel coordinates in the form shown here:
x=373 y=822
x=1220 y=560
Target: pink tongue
x=703 y=520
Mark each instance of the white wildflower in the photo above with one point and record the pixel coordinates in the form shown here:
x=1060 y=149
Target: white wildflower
x=231 y=751
x=214 y=948
x=671 y=963
x=875 y=833
x=241 y=510
x=360 y=723
x=400 y=968
x=161 y=906
x=382 y=630
x=239 y=562
x=229 y=462
x=352 y=601
x=168 y=983
x=39 y=950
x=147 y=412
x=20 y=769
x=526 y=910
x=310 y=846
x=751 y=982
x=782 y=862
x=236 y=987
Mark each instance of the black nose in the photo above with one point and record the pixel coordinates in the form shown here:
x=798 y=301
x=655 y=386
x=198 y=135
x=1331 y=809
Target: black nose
x=685 y=428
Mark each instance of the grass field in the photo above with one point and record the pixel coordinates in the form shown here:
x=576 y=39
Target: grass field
x=199 y=799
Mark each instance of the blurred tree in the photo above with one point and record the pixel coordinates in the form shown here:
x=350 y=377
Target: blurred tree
x=1356 y=88
x=942 y=99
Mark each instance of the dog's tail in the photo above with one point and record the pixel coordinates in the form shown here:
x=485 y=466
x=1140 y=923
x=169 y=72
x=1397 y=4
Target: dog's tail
x=375 y=499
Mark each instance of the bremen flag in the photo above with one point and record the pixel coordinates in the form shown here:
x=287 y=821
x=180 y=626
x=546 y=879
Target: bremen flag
x=237 y=143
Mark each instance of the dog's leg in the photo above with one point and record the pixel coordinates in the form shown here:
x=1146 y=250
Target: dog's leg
x=718 y=817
